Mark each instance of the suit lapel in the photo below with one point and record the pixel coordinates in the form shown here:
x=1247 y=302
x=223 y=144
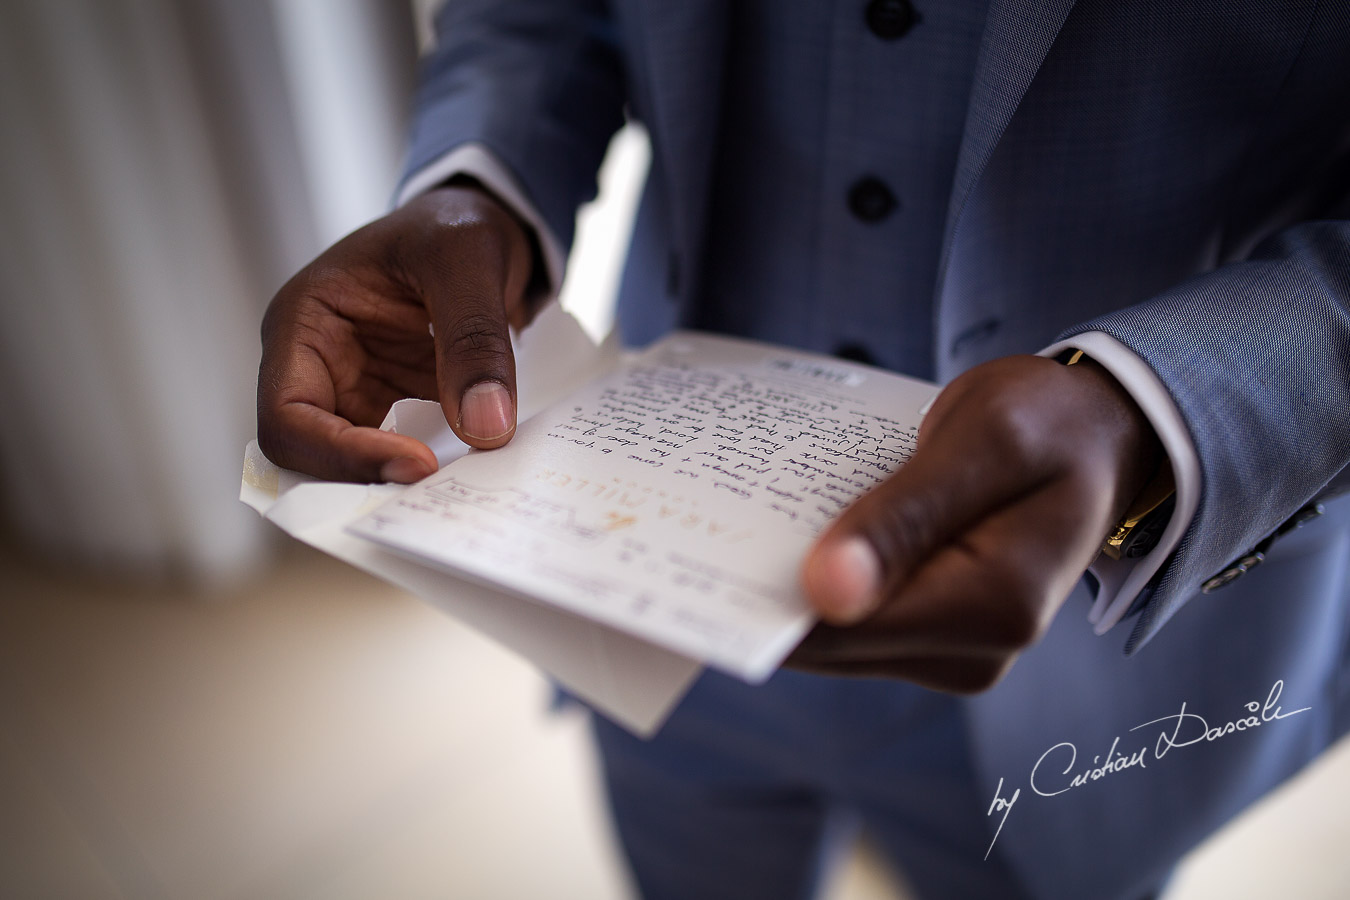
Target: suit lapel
x=1017 y=37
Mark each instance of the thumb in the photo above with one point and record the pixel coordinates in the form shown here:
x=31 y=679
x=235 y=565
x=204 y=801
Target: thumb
x=476 y=373
x=469 y=291
x=878 y=543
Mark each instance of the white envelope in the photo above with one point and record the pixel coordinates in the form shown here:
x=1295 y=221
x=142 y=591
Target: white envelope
x=630 y=680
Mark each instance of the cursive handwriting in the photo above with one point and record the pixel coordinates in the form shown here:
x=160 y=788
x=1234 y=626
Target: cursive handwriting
x=802 y=452
x=1199 y=730
x=1003 y=806
x=1113 y=763
x=1051 y=775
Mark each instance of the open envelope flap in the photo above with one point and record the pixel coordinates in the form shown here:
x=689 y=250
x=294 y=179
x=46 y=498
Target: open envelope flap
x=632 y=681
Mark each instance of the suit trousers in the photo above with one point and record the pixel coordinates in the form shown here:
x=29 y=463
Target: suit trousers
x=753 y=792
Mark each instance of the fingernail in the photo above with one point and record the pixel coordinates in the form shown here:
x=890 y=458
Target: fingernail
x=853 y=575
x=485 y=411
x=404 y=470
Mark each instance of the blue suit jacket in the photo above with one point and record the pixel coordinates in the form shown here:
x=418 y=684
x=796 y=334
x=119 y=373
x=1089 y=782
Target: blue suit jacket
x=1174 y=174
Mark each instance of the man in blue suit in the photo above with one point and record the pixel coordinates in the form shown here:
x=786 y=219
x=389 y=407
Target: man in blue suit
x=943 y=189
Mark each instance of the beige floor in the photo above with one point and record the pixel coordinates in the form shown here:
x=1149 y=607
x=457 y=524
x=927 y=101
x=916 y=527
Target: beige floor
x=314 y=734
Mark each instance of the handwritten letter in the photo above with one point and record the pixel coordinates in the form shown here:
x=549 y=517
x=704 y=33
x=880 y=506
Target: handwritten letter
x=674 y=498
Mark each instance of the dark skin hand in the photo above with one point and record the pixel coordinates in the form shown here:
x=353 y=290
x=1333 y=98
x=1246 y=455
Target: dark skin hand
x=940 y=576
x=947 y=571
x=348 y=336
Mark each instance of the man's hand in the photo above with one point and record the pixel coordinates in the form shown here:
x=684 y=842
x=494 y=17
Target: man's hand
x=349 y=335
x=947 y=571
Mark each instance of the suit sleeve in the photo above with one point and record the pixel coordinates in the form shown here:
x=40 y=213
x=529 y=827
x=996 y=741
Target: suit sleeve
x=1256 y=356
x=538 y=83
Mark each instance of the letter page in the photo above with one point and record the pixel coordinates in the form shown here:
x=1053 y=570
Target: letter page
x=673 y=498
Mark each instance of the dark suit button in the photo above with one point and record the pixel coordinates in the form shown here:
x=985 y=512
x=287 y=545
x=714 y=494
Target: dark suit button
x=1251 y=561
x=1223 y=579
x=890 y=19
x=1233 y=572
x=870 y=199
x=1301 y=518
x=855 y=353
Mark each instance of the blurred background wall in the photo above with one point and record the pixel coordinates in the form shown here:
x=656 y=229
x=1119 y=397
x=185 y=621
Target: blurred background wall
x=293 y=730
x=164 y=166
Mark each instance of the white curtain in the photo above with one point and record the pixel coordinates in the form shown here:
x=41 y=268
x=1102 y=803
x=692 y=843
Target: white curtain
x=164 y=166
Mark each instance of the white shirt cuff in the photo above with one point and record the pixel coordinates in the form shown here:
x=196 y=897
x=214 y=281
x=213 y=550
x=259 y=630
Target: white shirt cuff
x=1121 y=580
x=481 y=164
